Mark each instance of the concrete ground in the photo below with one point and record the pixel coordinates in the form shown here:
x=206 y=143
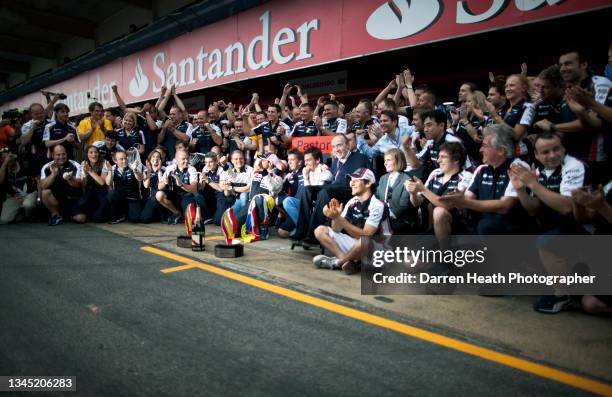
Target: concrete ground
x=571 y=340
x=88 y=301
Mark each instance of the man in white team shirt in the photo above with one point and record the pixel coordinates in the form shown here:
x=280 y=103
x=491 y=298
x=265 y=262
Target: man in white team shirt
x=546 y=195
x=178 y=186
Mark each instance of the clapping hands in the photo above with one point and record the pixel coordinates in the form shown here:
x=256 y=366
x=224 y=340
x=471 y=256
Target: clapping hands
x=333 y=209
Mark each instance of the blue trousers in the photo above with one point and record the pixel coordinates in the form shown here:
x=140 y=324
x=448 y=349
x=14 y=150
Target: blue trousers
x=120 y=205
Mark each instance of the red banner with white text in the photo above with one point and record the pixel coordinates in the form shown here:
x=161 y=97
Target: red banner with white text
x=281 y=35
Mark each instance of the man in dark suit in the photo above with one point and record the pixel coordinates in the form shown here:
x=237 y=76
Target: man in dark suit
x=345 y=162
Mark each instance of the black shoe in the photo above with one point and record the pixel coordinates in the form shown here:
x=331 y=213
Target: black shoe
x=310 y=241
x=551 y=304
x=116 y=221
x=55 y=220
x=174 y=219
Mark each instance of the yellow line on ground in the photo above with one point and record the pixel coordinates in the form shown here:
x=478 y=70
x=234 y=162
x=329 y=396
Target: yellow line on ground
x=211 y=238
x=429 y=336
x=177 y=268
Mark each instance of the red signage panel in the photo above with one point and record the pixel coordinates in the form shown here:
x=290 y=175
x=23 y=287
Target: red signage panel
x=279 y=36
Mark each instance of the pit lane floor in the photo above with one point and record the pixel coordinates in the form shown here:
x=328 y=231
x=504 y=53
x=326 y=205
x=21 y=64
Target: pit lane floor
x=79 y=300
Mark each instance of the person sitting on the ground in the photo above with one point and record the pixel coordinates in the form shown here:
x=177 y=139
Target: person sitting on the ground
x=490 y=193
x=361 y=216
x=93 y=204
x=550 y=185
x=178 y=186
x=450 y=177
x=279 y=165
x=403 y=216
x=211 y=198
x=124 y=181
x=61 y=184
x=314 y=176
x=154 y=172
x=20 y=188
x=292 y=182
x=253 y=209
x=550 y=202
x=236 y=180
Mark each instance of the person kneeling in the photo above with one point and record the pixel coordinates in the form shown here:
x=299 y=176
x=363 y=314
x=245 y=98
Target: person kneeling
x=361 y=216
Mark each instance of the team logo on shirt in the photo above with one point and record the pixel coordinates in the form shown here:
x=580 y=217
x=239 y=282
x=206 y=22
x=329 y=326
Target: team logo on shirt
x=140 y=82
x=402 y=18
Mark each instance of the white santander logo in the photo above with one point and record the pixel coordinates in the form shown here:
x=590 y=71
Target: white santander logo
x=402 y=18
x=140 y=83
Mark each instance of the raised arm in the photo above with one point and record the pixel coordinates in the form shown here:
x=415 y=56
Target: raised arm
x=255 y=102
x=385 y=92
x=121 y=102
x=161 y=105
x=399 y=81
x=303 y=96
x=177 y=100
x=320 y=104
x=50 y=104
x=283 y=99
x=408 y=90
x=162 y=95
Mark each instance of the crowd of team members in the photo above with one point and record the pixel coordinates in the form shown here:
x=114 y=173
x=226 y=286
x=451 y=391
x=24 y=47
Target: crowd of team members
x=529 y=156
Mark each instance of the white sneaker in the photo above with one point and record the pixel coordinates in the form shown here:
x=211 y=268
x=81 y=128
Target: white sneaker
x=326 y=262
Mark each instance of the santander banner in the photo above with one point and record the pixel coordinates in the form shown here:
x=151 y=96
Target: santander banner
x=281 y=35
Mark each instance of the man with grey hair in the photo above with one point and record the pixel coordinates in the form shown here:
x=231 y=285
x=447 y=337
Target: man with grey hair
x=490 y=192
